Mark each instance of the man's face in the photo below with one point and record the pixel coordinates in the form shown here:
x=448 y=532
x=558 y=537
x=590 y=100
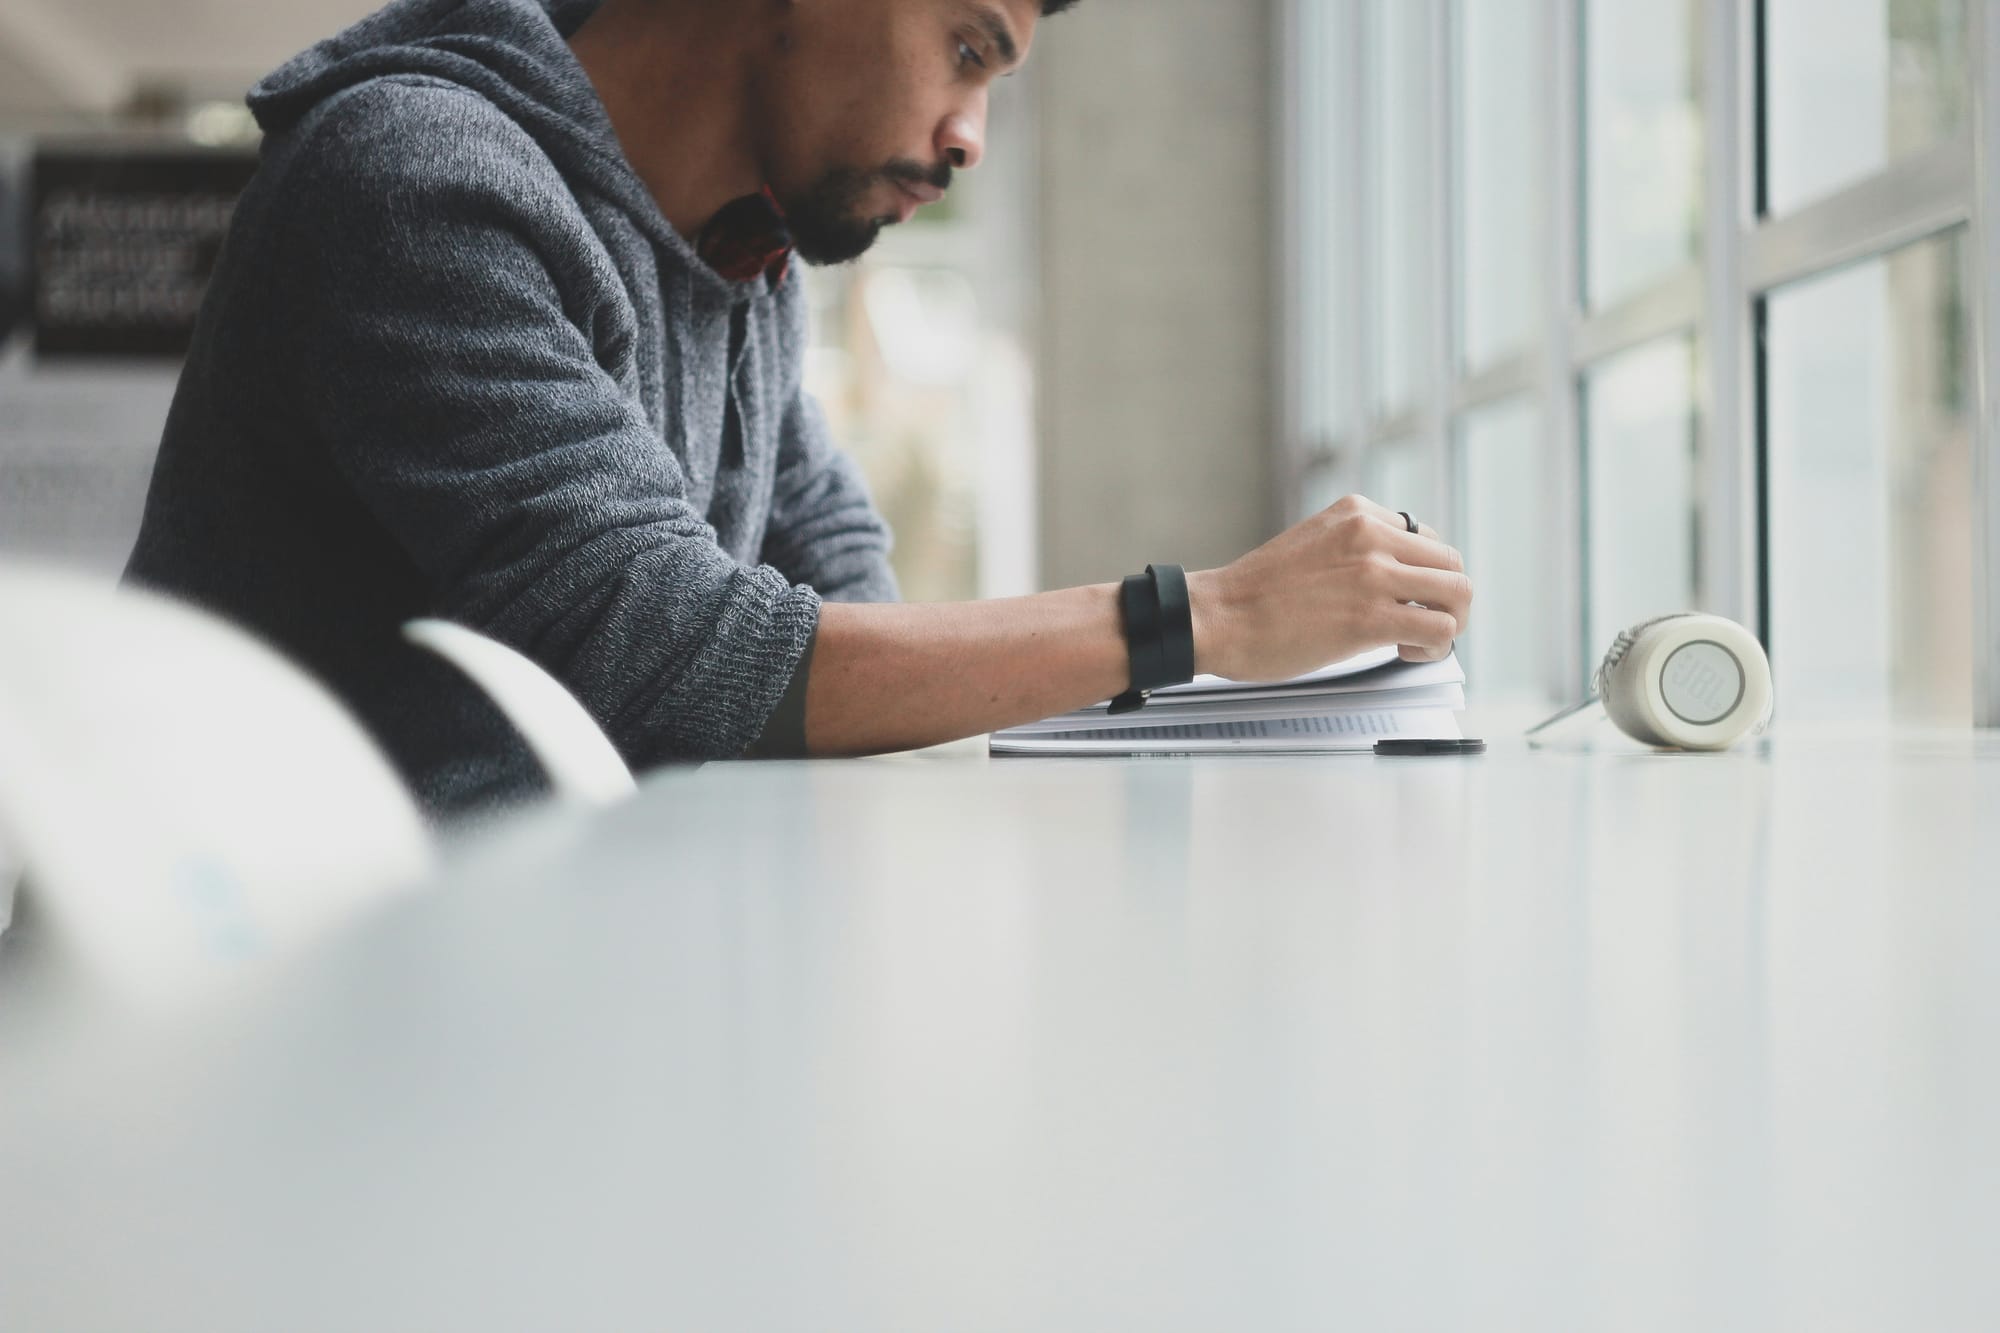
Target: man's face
x=871 y=106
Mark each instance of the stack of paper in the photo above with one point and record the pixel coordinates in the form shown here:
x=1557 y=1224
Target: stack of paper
x=1347 y=706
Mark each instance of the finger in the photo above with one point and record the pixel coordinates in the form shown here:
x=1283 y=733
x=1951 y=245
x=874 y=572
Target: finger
x=1413 y=548
x=1428 y=634
x=1383 y=514
x=1440 y=590
x=1422 y=627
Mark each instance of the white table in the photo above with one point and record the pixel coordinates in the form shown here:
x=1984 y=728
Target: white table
x=1539 y=1041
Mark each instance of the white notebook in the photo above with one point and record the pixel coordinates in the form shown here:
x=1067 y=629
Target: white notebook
x=1344 y=707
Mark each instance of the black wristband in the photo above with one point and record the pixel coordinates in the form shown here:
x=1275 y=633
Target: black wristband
x=1159 y=633
x=1176 y=623
x=1139 y=612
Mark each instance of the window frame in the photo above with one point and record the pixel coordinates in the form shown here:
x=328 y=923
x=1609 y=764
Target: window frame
x=1746 y=257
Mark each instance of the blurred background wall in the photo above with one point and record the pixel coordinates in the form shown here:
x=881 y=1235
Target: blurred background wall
x=1157 y=221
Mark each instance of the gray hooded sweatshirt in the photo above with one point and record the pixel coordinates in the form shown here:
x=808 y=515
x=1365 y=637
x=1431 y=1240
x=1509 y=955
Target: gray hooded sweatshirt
x=456 y=363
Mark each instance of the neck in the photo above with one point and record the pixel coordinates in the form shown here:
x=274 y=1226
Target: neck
x=674 y=77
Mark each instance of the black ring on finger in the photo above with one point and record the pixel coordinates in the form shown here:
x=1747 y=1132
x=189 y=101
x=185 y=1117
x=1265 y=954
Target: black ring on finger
x=1408 y=522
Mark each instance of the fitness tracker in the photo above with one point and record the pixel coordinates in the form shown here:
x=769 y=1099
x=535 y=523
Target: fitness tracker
x=1159 y=633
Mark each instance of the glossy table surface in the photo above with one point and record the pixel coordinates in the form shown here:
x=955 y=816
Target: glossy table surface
x=1588 y=1038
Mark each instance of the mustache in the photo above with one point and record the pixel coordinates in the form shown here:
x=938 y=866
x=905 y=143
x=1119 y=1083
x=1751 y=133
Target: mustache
x=937 y=177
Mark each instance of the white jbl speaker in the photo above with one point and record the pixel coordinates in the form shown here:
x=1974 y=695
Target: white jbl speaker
x=1688 y=682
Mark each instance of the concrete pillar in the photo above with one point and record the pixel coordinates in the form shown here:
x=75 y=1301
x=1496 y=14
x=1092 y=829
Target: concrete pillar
x=1158 y=357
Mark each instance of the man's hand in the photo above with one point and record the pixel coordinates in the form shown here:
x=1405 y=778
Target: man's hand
x=1340 y=583
x=1348 y=579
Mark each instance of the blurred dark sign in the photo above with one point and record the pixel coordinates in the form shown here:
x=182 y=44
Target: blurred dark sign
x=122 y=245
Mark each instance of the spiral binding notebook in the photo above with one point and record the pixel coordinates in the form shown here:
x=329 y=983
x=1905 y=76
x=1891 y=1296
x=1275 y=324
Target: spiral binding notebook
x=1347 y=706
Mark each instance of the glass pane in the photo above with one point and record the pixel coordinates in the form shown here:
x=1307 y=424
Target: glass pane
x=1500 y=61
x=1640 y=510
x=1503 y=528
x=1870 y=465
x=1851 y=85
x=1326 y=171
x=1399 y=474
x=1642 y=143
x=902 y=360
x=1400 y=135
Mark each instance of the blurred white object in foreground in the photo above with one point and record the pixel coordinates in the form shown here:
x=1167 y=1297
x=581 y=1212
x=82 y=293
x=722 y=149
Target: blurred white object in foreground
x=185 y=803
x=565 y=739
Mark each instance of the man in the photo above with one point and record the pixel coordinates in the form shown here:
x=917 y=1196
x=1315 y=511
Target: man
x=506 y=332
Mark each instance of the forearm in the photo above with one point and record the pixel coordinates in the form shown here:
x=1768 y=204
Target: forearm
x=900 y=677
x=1346 y=580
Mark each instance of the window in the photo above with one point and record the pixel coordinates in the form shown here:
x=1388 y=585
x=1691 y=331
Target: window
x=1323 y=181
x=897 y=367
x=1643 y=144
x=1711 y=278
x=1400 y=122
x=1497 y=138
x=1869 y=442
x=1855 y=84
x=1399 y=475
x=1639 y=501
x=1503 y=525
x=921 y=358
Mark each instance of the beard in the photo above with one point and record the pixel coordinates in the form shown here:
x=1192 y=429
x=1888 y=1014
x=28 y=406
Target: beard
x=826 y=222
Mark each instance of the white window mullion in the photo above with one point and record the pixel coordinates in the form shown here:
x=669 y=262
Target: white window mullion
x=1444 y=277
x=1672 y=305
x=1516 y=376
x=1370 y=179
x=1986 y=301
x=1301 y=247
x=1353 y=195
x=1913 y=198
x=1562 y=611
x=1729 y=578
